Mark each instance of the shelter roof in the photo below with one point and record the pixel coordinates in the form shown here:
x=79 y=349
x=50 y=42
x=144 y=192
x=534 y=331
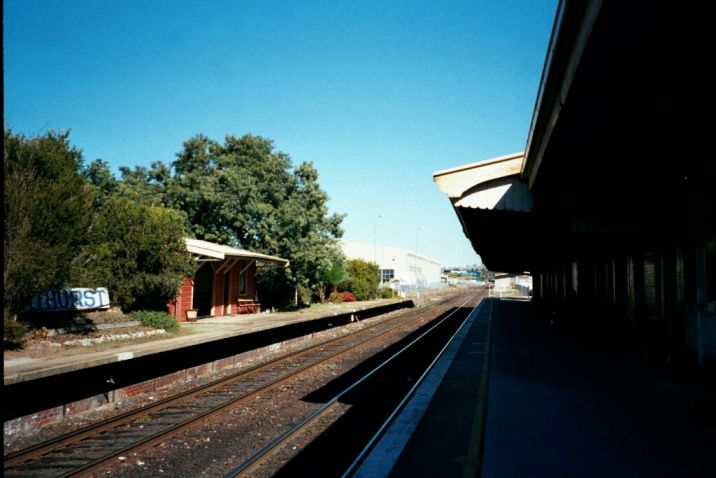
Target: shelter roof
x=614 y=151
x=211 y=251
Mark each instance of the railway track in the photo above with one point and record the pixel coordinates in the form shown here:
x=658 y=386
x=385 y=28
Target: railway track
x=277 y=458
x=87 y=450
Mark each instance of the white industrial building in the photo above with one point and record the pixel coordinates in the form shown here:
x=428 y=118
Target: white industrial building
x=399 y=268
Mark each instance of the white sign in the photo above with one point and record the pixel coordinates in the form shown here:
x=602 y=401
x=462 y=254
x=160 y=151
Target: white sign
x=78 y=298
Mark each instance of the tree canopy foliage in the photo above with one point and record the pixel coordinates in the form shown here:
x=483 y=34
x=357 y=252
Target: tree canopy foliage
x=137 y=251
x=45 y=216
x=67 y=224
x=245 y=194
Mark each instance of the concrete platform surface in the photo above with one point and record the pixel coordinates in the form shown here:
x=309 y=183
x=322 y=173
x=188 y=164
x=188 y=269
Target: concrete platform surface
x=557 y=404
x=566 y=405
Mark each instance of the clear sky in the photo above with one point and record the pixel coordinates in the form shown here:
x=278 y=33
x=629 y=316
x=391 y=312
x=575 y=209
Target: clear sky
x=377 y=94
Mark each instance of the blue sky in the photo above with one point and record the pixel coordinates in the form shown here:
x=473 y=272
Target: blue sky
x=378 y=95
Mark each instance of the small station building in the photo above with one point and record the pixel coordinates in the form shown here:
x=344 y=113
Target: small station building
x=223 y=284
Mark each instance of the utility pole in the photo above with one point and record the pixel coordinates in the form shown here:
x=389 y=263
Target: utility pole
x=375 y=238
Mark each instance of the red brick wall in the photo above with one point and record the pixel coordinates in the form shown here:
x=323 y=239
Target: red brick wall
x=218 y=292
x=170 y=379
x=235 y=286
x=132 y=390
x=86 y=404
x=183 y=301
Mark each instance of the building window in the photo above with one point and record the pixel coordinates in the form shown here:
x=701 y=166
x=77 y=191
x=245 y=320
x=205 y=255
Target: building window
x=387 y=274
x=242 y=283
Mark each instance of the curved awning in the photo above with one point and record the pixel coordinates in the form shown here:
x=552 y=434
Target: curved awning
x=494 y=206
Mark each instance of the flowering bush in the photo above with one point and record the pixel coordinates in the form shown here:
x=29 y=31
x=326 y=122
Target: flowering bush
x=348 y=297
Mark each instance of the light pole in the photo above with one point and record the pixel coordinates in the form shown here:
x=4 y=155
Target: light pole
x=417 y=279
x=375 y=239
x=416 y=238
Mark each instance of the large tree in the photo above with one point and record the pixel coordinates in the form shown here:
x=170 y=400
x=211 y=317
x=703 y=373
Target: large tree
x=136 y=251
x=45 y=216
x=246 y=194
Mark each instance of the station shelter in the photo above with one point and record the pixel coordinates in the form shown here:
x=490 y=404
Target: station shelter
x=611 y=206
x=223 y=284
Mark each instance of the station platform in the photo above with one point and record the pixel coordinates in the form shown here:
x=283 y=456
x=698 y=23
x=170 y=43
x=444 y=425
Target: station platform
x=203 y=331
x=514 y=396
x=83 y=379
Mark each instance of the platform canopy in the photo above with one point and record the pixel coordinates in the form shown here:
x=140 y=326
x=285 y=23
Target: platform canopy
x=205 y=251
x=494 y=207
x=614 y=158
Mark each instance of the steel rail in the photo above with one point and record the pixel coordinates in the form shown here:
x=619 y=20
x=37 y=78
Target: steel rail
x=74 y=436
x=255 y=460
x=388 y=421
x=68 y=439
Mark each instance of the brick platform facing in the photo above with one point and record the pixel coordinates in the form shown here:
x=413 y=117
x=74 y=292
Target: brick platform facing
x=122 y=394
x=35 y=421
x=169 y=380
x=198 y=371
x=30 y=423
x=86 y=404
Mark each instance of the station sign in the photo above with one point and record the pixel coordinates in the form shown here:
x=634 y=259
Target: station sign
x=76 y=298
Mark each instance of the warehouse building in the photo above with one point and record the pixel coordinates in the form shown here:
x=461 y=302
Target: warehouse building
x=399 y=268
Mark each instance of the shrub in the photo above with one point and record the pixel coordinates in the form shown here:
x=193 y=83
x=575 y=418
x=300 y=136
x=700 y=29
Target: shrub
x=387 y=293
x=13 y=333
x=304 y=296
x=335 y=298
x=156 y=319
x=362 y=279
x=347 y=297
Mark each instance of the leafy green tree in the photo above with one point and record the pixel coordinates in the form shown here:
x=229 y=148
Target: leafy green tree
x=144 y=185
x=137 y=251
x=330 y=278
x=363 y=279
x=45 y=214
x=244 y=193
x=98 y=174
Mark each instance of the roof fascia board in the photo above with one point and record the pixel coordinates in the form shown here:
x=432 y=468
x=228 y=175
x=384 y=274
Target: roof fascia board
x=204 y=251
x=219 y=252
x=455 y=182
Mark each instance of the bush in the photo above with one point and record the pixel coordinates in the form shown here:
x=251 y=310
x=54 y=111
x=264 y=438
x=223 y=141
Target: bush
x=362 y=279
x=13 y=333
x=335 y=298
x=156 y=319
x=347 y=297
x=304 y=296
x=387 y=293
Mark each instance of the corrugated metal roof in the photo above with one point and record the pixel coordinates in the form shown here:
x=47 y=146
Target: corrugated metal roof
x=220 y=251
x=456 y=181
x=493 y=184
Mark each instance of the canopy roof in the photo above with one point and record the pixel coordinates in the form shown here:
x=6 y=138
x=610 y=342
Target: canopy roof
x=614 y=156
x=209 y=251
